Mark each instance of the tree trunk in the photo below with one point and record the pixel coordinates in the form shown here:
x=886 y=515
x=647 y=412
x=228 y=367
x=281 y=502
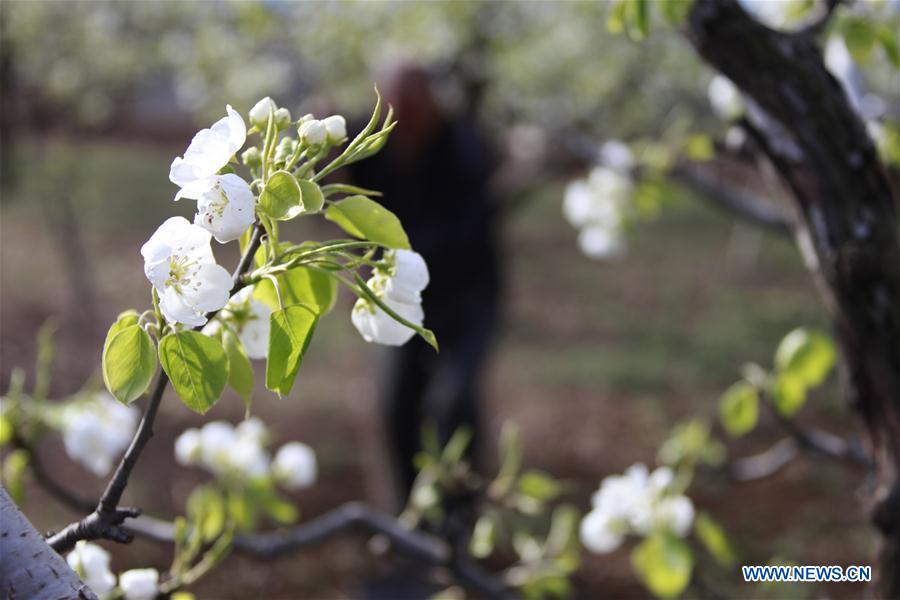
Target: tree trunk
x=29 y=568
x=846 y=224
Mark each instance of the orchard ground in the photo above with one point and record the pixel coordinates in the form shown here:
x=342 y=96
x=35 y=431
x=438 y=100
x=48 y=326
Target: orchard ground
x=596 y=361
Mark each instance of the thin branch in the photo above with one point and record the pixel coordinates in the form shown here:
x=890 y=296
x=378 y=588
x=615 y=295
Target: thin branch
x=818 y=24
x=765 y=464
x=739 y=202
x=106 y=520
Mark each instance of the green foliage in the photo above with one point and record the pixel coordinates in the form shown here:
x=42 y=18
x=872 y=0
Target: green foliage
x=714 y=539
x=689 y=444
x=14 y=471
x=483 y=536
x=197 y=367
x=363 y=218
x=663 y=563
x=739 y=408
x=290 y=333
x=240 y=369
x=300 y=285
x=281 y=198
x=129 y=361
x=804 y=359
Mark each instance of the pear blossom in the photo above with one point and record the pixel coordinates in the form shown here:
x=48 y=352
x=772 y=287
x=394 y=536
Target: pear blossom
x=208 y=152
x=139 y=584
x=377 y=326
x=249 y=318
x=91 y=562
x=180 y=264
x=336 y=128
x=224 y=449
x=259 y=114
x=408 y=276
x=601 y=242
x=636 y=502
x=616 y=155
x=295 y=465
x=96 y=431
x=313 y=132
x=600 y=204
x=225 y=206
x=725 y=98
x=188 y=447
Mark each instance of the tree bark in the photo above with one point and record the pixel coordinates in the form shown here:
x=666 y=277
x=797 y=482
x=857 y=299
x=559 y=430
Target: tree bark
x=30 y=569
x=846 y=224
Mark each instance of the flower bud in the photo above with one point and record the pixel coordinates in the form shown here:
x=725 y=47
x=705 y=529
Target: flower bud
x=252 y=157
x=336 y=126
x=259 y=114
x=282 y=119
x=313 y=132
x=295 y=465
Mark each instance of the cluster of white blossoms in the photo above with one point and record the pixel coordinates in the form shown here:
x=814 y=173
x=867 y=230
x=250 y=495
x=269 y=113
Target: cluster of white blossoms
x=240 y=451
x=635 y=503
x=249 y=319
x=398 y=282
x=91 y=562
x=97 y=430
x=600 y=204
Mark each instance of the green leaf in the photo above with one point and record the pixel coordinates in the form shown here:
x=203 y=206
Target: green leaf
x=714 y=539
x=615 y=23
x=364 y=218
x=197 y=366
x=674 y=11
x=279 y=509
x=240 y=369
x=807 y=355
x=699 y=147
x=311 y=196
x=482 y=543
x=888 y=35
x=290 y=332
x=15 y=466
x=789 y=394
x=739 y=408
x=663 y=563
x=125 y=319
x=128 y=363
x=640 y=18
x=860 y=37
x=6 y=430
x=300 y=285
x=206 y=509
x=281 y=198
x=540 y=486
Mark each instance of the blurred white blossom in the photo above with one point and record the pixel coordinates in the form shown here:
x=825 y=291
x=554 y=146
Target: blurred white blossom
x=725 y=98
x=249 y=318
x=139 y=584
x=180 y=264
x=599 y=206
x=295 y=465
x=97 y=430
x=636 y=502
x=91 y=562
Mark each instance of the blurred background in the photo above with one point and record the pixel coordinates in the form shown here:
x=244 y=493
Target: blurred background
x=595 y=361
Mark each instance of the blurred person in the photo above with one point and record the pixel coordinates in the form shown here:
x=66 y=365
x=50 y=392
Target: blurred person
x=434 y=174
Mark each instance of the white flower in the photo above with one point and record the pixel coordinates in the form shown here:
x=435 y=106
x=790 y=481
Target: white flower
x=600 y=533
x=225 y=206
x=217 y=438
x=95 y=432
x=601 y=242
x=636 y=502
x=377 y=326
x=725 y=98
x=676 y=514
x=248 y=459
x=313 y=132
x=253 y=430
x=617 y=155
x=295 y=465
x=259 y=114
x=250 y=318
x=91 y=562
x=180 y=264
x=139 y=584
x=336 y=128
x=209 y=151
x=407 y=276
x=188 y=447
